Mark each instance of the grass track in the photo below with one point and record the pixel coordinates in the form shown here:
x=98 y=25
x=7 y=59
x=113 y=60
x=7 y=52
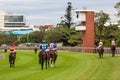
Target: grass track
x=69 y=66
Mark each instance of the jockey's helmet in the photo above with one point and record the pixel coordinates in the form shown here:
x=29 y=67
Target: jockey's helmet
x=52 y=41
x=43 y=41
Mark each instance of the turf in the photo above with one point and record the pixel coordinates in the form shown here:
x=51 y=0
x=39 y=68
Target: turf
x=69 y=66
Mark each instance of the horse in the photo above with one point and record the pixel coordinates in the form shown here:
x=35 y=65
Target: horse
x=53 y=57
x=100 y=51
x=113 y=49
x=43 y=57
x=12 y=57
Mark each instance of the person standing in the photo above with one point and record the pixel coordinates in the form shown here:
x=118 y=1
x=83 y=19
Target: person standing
x=35 y=49
x=5 y=48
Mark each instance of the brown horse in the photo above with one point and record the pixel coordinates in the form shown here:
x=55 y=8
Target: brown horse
x=12 y=57
x=43 y=57
x=100 y=51
x=53 y=57
x=113 y=49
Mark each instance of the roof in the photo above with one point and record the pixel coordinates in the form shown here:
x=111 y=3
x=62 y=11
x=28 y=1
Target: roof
x=20 y=32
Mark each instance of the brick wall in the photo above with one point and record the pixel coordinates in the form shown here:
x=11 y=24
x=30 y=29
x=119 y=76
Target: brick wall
x=88 y=35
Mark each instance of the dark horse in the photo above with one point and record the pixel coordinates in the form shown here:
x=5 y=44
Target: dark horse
x=43 y=57
x=113 y=49
x=100 y=51
x=12 y=57
x=53 y=57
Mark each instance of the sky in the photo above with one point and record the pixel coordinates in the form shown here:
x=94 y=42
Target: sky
x=41 y=12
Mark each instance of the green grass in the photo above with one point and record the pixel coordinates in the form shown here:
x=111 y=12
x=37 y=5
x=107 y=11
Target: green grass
x=69 y=66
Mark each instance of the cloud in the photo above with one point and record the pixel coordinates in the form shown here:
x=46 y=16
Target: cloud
x=44 y=11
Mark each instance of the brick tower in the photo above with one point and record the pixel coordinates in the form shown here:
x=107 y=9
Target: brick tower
x=85 y=23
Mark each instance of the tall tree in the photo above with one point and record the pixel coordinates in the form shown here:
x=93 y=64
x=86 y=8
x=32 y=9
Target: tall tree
x=67 y=19
x=117 y=6
x=100 y=19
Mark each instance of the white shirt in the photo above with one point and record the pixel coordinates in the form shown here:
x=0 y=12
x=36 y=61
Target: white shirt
x=113 y=42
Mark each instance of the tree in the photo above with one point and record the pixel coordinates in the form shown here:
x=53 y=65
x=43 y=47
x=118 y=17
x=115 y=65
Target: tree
x=67 y=19
x=117 y=6
x=54 y=33
x=100 y=19
x=7 y=38
x=110 y=32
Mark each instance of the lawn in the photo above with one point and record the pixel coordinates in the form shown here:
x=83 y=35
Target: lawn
x=69 y=66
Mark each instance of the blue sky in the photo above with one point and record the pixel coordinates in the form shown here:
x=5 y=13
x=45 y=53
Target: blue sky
x=40 y=12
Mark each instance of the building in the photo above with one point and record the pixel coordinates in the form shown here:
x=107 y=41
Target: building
x=8 y=20
x=85 y=24
x=15 y=23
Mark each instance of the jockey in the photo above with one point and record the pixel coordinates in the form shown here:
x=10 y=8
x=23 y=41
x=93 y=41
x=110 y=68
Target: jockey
x=100 y=44
x=44 y=46
x=53 y=46
x=12 y=49
x=113 y=42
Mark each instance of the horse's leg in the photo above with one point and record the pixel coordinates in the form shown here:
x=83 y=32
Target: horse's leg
x=46 y=62
x=41 y=61
x=54 y=61
x=42 y=65
x=14 y=62
x=10 y=60
x=40 y=58
x=55 y=58
x=113 y=53
x=99 y=55
x=51 y=60
x=102 y=55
